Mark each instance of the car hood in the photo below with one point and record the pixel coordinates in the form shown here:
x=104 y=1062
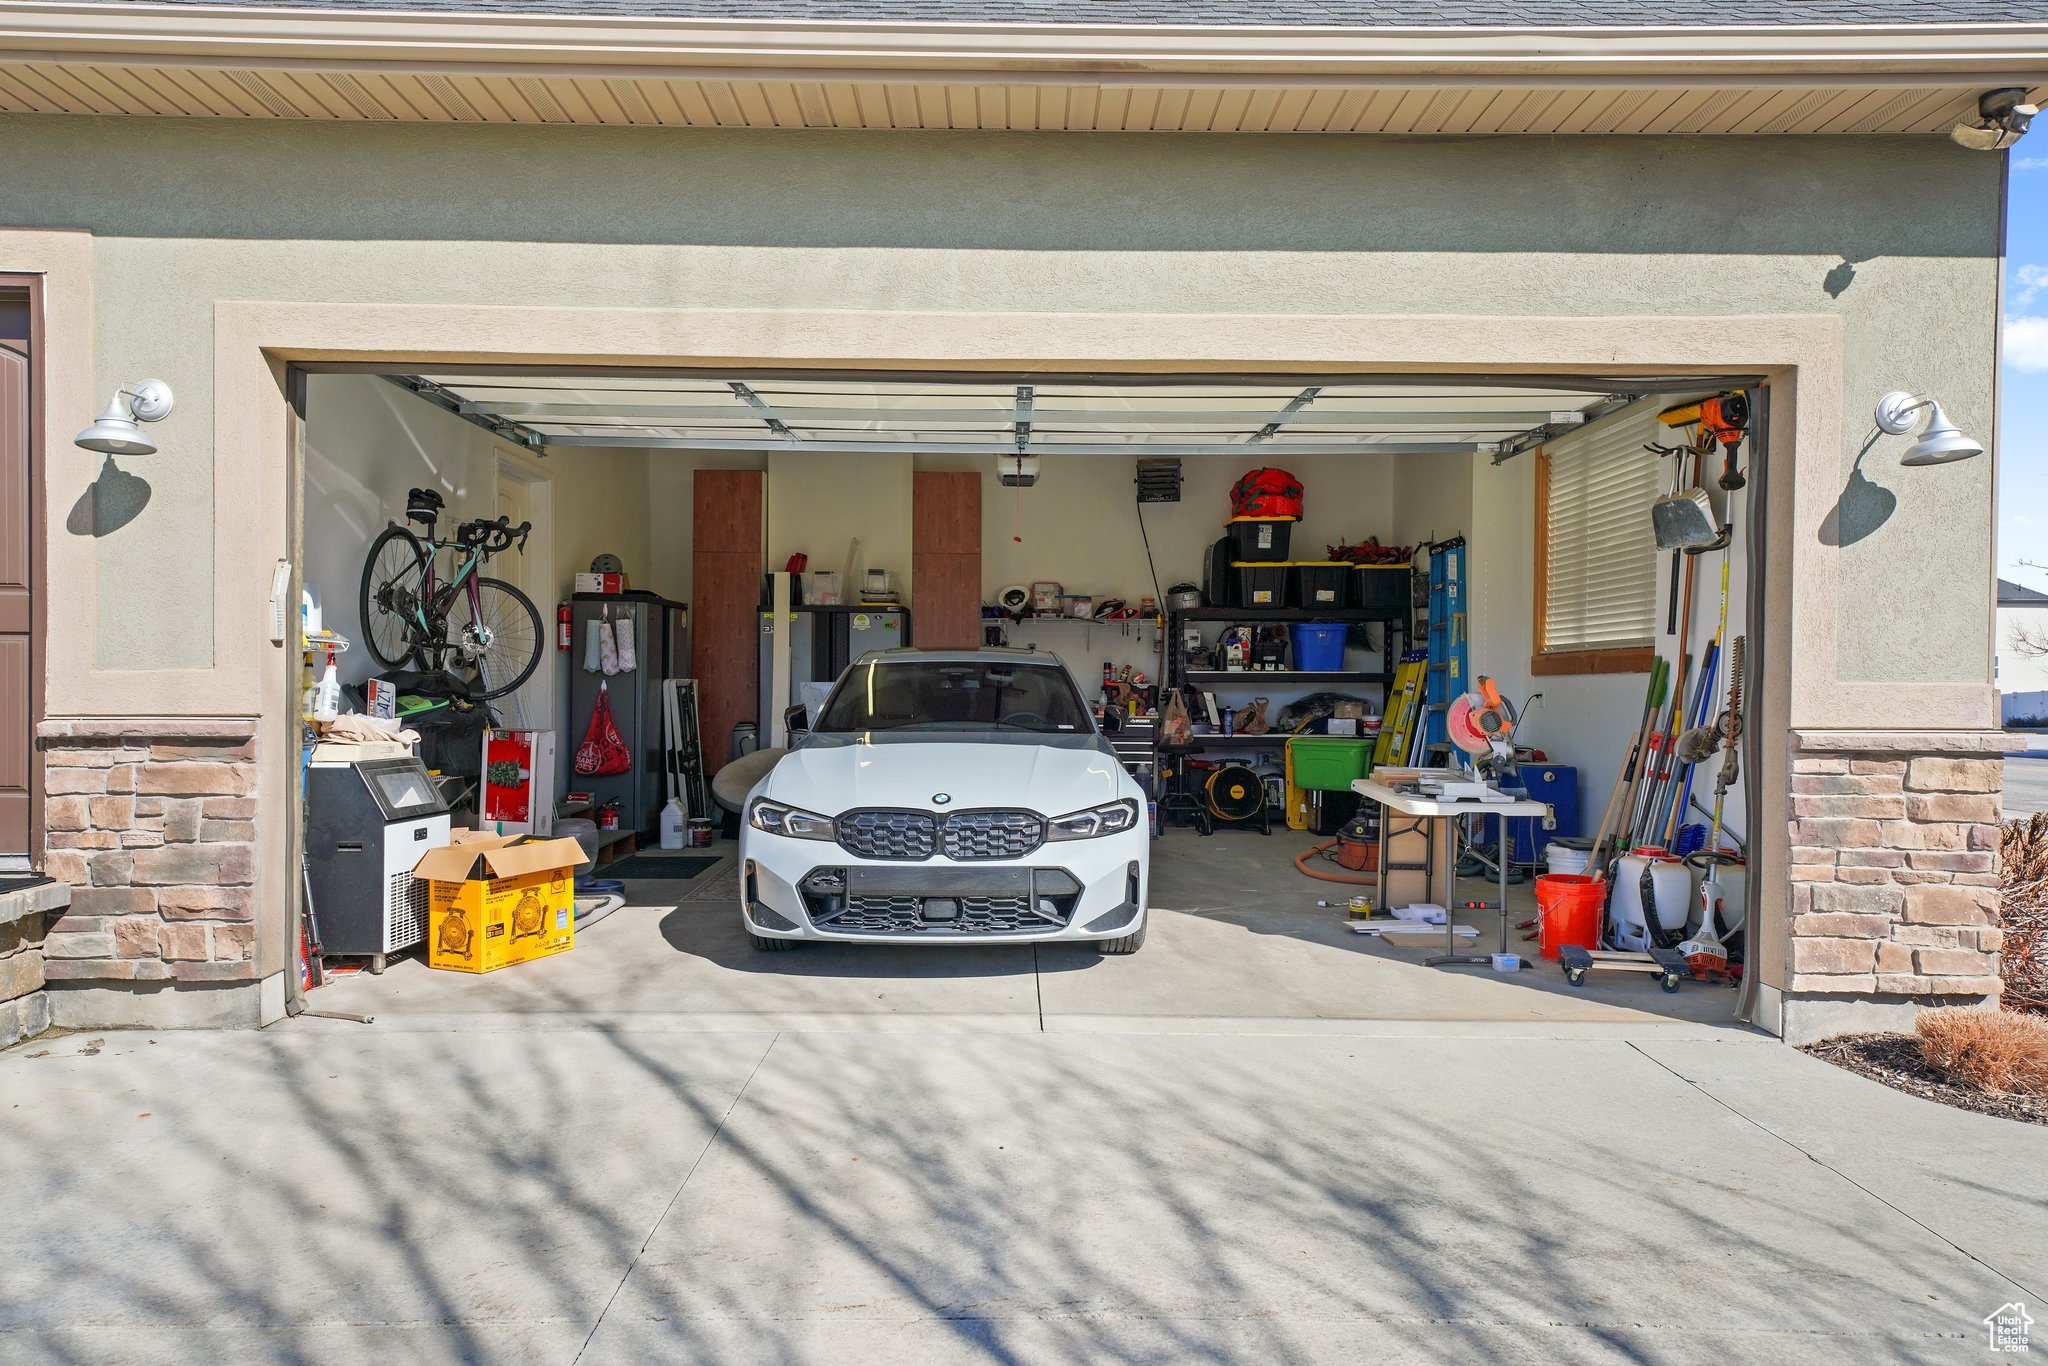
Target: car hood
x=1052 y=775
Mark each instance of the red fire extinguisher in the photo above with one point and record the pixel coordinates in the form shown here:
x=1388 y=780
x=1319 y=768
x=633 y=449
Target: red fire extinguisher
x=563 y=627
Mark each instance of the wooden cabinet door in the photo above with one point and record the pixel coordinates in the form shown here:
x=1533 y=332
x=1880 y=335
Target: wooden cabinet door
x=725 y=595
x=945 y=559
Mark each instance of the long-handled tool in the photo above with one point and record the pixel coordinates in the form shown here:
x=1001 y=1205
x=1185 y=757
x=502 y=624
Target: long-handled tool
x=1664 y=746
x=1624 y=782
x=1720 y=635
x=1695 y=715
x=1705 y=952
x=1630 y=817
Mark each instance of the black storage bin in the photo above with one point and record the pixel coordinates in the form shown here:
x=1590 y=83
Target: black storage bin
x=1219 y=585
x=1322 y=584
x=1382 y=585
x=1258 y=540
x=1260 y=585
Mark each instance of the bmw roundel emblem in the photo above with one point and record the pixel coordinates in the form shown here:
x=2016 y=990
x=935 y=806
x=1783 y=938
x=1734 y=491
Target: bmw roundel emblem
x=941 y=798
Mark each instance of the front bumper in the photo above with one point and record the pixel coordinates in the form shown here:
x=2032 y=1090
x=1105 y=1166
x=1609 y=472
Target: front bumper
x=1081 y=890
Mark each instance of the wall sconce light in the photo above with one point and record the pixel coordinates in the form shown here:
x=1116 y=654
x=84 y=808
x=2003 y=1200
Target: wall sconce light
x=1939 y=444
x=116 y=432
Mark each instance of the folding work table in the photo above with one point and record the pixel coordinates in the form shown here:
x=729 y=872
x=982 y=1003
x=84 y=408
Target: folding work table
x=1439 y=814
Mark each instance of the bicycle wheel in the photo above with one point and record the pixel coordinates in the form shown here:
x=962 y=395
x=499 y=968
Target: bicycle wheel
x=498 y=645
x=390 y=598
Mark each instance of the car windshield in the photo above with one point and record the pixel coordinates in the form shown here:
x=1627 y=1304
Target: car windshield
x=954 y=695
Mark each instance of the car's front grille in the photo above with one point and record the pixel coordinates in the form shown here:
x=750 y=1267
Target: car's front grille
x=964 y=836
x=972 y=835
x=889 y=834
x=969 y=915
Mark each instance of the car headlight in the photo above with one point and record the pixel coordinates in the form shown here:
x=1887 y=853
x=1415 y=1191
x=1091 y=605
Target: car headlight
x=1112 y=819
x=798 y=824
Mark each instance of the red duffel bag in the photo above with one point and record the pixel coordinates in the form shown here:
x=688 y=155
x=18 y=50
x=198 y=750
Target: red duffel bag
x=1266 y=493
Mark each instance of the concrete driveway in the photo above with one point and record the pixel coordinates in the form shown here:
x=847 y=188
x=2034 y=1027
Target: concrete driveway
x=547 y=1191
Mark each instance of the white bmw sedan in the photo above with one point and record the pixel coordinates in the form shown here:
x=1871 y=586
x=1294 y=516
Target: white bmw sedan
x=948 y=797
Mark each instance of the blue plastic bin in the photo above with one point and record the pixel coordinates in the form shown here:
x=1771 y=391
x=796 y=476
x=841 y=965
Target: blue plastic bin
x=1319 y=646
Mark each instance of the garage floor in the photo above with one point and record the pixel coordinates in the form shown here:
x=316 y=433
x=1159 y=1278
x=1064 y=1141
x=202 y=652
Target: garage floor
x=1237 y=941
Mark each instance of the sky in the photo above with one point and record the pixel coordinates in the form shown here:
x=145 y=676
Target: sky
x=2023 y=376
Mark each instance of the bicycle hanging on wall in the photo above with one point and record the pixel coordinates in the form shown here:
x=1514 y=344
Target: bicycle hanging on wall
x=482 y=630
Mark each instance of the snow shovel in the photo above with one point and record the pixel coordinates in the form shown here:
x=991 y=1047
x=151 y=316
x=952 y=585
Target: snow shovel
x=1685 y=521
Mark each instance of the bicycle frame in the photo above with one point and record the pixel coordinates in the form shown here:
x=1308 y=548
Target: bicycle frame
x=431 y=588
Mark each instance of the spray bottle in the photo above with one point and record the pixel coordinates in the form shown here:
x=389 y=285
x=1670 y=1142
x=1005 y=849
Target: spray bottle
x=327 y=693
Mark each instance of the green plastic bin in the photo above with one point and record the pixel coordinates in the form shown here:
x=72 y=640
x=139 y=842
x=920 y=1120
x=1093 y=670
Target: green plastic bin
x=1329 y=764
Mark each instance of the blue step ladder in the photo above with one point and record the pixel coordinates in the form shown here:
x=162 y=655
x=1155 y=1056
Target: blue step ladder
x=1446 y=676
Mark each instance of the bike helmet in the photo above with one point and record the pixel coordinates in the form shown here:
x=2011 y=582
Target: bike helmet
x=607 y=564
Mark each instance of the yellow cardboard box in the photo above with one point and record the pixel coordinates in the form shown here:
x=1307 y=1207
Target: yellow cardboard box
x=496 y=900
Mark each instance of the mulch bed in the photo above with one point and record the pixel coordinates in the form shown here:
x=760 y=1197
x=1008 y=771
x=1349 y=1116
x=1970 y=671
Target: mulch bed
x=1894 y=1060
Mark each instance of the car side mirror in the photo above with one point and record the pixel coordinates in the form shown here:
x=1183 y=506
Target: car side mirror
x=796 y=721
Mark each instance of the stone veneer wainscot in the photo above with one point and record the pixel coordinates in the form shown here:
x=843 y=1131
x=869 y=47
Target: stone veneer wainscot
x=1894 y=872
x=153 y=823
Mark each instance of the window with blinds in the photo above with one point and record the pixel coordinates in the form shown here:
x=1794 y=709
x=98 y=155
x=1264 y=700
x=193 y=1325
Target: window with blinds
x=1597 y=551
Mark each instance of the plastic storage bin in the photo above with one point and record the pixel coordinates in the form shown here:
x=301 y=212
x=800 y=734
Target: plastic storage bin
x=1382 y=585
x=1322 y=583
x=1260 y=539
x=1260 y=585
x=1325 y=765
x=1219 y=585
x=1319 y=646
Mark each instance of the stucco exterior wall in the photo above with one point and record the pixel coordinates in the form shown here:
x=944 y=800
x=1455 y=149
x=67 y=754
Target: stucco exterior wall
x=188 y=212
x=205 y=253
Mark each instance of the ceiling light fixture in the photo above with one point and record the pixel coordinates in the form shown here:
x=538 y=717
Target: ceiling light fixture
x=1939 y=444
x=116 y=432
x=2002 y=119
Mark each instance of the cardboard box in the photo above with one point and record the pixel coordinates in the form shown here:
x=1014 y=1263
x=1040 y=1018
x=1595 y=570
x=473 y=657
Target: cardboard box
x=600 y=583
x=496 y=900
x=518 y=782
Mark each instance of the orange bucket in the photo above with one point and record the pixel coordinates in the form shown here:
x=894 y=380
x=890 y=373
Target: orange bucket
x=1568 y=907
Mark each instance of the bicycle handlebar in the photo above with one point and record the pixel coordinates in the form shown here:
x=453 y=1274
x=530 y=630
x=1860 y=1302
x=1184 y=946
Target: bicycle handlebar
x=494 y=537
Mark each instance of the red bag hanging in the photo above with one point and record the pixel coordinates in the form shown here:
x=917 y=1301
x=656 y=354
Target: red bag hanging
x=603 y=752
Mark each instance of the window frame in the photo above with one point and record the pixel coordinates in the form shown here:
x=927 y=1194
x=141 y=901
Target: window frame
x=1633 y=659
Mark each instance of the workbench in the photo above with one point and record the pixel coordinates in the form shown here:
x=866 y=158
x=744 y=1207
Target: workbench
x=1439 y=842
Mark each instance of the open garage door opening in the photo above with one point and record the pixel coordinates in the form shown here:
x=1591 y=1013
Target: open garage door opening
x=1277 y=645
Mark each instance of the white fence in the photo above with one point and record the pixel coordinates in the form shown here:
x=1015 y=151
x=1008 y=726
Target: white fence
x=2023 y=706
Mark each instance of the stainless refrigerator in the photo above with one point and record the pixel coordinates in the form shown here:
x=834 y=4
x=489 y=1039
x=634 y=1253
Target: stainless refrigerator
x=661 y=636
x=823 y=641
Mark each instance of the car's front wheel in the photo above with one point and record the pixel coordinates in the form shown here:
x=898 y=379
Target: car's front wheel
x=764 y=944
x=1130 y=943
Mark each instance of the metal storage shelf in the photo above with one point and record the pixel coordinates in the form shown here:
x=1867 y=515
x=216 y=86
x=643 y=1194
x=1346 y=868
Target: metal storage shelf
x=1203 y=677
x=1201 y=742
x=1256 y=614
